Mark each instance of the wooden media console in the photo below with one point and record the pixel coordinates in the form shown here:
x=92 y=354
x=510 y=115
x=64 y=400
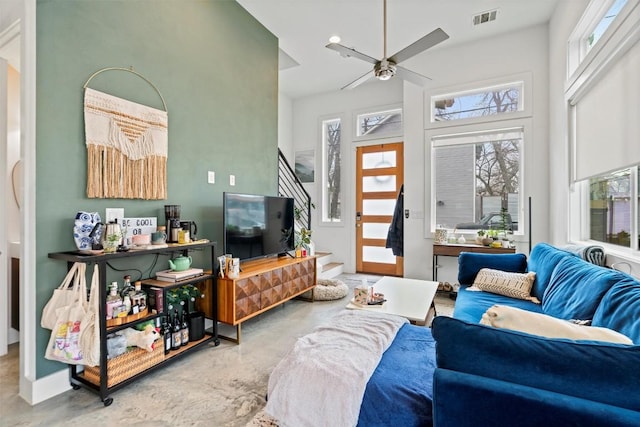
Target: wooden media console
x=262 y=285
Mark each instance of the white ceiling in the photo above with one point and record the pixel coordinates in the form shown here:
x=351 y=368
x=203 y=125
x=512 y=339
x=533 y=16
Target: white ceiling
x=303 y=28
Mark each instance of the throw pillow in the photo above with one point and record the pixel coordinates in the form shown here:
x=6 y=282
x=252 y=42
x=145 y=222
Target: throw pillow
x=501 y=316
x=514 y=285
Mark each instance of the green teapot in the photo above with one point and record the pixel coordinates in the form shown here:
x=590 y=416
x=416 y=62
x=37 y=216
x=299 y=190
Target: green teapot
x=180 y=263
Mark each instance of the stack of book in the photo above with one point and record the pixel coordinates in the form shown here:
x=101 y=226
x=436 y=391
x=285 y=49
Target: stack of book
x=176 y=276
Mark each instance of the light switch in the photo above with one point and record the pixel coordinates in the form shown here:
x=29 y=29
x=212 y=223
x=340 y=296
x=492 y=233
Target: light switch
x=211 y=177
x=232 y=180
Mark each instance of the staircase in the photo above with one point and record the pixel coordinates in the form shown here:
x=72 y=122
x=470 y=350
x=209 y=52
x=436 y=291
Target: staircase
x=290 y=186
x=326 y=268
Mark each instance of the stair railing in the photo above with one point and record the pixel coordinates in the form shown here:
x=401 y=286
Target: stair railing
x=289 y=185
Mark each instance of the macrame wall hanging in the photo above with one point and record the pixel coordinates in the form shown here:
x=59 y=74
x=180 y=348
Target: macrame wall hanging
x=127 y=145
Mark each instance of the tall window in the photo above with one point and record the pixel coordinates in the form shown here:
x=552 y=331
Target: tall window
x=605 y=156
x=477 y=179
x=331 y=170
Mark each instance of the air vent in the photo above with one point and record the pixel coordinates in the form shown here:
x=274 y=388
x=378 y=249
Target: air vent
x=485 y=17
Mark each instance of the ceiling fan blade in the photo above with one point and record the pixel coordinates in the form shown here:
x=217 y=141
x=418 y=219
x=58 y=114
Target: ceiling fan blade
x=366 y=76
x=433 y=38
x=347 y=51
x=411 y=76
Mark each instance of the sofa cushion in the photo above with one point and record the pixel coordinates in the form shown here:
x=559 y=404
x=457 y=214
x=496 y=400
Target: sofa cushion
x=543 y=325
x=470 y=306
x=543 y=259
x=576 y=288
x=514 y=285
x=620 y=308
x=601 y=372
x=470 y=263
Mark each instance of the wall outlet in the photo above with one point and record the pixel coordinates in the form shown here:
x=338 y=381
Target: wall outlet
x=232 y=180
x=111 y=214
x=211 y=177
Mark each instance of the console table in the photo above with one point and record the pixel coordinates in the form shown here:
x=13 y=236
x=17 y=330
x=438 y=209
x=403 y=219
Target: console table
x=454 y=249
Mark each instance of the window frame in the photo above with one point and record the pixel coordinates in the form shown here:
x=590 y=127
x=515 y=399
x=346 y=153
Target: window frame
x=524 y=125
x=374 y=110
x=323 y=163
x=525 y=80
x=580 y=202
x=583 y=73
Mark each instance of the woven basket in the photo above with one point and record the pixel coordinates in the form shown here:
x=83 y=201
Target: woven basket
x=126 y=365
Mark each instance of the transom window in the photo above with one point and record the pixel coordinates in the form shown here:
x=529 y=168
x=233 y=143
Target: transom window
x=478 y=103
x=603 y=23
x=379 y=124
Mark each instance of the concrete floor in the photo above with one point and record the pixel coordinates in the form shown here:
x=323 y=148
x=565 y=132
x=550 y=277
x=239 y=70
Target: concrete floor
x=215 y=386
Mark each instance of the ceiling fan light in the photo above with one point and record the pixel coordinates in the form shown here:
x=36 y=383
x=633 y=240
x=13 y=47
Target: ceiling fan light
x=385 y=71
x=334 y=39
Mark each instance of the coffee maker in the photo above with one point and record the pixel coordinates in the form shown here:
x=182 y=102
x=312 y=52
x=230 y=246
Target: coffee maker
x=172 y=216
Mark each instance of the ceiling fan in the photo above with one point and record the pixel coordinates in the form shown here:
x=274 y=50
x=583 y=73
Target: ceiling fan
x=388 y=67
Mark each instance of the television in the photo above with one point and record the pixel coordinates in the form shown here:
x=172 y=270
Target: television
x=257 y=226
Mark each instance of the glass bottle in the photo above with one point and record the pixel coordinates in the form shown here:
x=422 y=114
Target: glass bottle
x=167 y=334
x=184 y=328
x=139 y=298
x=113 y=299
x=127 y=304
x=127 y=288
x=176 y=335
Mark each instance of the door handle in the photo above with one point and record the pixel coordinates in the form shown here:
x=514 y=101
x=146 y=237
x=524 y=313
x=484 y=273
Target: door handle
x=358 y=216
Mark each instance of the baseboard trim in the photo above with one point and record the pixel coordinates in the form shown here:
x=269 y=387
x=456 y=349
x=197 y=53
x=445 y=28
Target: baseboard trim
x=45 y=388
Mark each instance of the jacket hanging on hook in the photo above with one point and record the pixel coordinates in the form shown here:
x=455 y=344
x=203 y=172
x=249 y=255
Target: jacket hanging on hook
x=395 y=236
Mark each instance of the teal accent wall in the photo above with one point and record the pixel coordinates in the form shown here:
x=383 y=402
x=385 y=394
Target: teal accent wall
x=217 y=69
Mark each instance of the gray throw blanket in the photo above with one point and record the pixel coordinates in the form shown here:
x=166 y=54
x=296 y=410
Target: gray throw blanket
x=590 y=253
x=321 y=381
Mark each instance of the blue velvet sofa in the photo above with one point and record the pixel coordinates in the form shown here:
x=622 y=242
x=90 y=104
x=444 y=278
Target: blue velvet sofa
x=489 y=376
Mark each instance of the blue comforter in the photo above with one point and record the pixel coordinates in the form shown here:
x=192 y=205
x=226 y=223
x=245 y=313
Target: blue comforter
x=393 y=398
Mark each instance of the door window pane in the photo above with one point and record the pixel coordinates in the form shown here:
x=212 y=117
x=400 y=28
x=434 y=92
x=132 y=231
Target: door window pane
x=378 y=207
x=385 y=159
x=375 y=230
x=378 y=254
x=378 y=183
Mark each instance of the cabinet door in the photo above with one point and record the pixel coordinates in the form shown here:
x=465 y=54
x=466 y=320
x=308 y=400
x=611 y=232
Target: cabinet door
x=288 y=285
x=272 y=290
x=307 y=274
x=248 y=296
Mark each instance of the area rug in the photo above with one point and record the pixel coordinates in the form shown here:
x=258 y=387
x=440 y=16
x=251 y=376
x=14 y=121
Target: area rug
x=262 y=419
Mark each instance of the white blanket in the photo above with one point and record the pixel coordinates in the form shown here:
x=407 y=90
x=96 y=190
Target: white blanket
x=501 y=316
x=322 y=380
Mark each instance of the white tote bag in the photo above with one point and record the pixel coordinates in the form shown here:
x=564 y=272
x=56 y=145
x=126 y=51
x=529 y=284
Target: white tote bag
x=63 y=296
x=90 y=327
x=64 y=344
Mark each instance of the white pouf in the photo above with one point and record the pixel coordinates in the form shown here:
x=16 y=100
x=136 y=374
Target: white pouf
x=330 y=289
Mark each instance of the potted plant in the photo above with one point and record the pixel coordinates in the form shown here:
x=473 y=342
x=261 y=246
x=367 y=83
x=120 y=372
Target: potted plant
x=480 y=237
x=488 y=239
x=302 y=237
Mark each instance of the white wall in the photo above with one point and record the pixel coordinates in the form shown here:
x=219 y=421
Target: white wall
x=285 y=127
x=447 y=66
